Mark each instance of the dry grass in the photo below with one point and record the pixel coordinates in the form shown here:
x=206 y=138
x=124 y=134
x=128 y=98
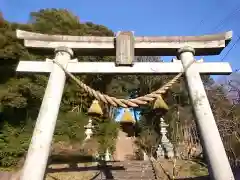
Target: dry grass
x=183 y=169
x=66 y=160
x=69 y=176
x=69 y=173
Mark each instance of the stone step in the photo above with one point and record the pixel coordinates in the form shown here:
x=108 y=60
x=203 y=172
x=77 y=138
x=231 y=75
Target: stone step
x=132 y=171
x=5 y=175
x=136 y=170
x=123 y=170
x=131 y=165
x=127 y=175
x=125 y=167
x=130 y=177
x=128 y=165
x=128 y=171
x=125 y=178
x=133 y=162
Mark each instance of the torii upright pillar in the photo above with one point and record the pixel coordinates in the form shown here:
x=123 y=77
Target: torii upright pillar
x=40 y=145
x=219 y=168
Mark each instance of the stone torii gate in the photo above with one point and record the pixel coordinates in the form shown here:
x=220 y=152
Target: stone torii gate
x=125 y=47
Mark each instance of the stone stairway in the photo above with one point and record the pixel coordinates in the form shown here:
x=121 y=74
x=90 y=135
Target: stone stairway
x=123 y=170
x=9 y=175
x=125 y=147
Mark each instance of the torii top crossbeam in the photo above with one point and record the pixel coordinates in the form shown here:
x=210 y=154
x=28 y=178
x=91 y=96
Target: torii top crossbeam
x=143 y=45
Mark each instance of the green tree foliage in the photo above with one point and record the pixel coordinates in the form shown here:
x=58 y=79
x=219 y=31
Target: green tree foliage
x=106 y=133
x=21 y=93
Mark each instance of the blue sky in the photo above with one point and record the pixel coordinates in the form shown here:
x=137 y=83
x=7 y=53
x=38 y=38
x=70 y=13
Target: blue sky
x=151 y=17
x=121 y=111
x=146 y=17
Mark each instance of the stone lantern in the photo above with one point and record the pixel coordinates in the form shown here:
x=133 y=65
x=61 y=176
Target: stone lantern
x=95 y=110
x=165 y=148
x=88 y=130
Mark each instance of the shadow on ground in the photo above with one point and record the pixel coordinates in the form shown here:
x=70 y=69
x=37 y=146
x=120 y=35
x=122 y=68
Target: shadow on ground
x=73 y=161
x=195 y=178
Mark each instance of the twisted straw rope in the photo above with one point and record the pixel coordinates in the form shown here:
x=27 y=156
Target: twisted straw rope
x=125 y=103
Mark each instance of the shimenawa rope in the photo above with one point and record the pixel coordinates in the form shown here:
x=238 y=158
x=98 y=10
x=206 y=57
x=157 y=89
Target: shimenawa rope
x=125 y=103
